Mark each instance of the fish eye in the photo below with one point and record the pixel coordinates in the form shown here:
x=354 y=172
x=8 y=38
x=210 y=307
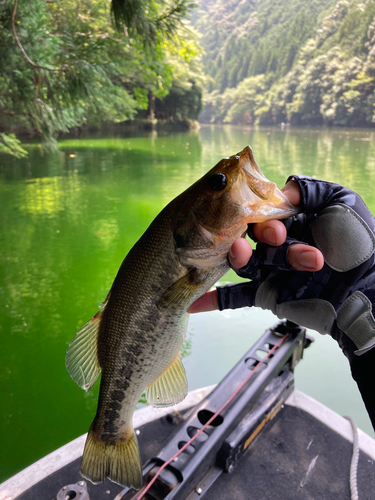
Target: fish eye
x=218 y=181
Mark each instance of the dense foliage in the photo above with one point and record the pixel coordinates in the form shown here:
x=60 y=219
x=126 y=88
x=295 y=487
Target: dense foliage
x=63 y=63
x=66 y=63
x=289 y=61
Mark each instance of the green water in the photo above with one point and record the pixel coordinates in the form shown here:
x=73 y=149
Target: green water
x=66 y=222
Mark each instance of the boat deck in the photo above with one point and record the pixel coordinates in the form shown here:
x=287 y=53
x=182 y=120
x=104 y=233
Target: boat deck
x=275 y=442
x=295 y=457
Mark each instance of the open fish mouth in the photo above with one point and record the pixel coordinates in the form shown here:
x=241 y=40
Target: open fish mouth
x=280 y=208
x=261 y=198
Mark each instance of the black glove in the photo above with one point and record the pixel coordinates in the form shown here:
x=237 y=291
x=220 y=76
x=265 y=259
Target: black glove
x=337 y=300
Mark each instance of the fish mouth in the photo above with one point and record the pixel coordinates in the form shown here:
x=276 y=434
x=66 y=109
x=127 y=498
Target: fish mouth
x=279 y=207
x=262 y=197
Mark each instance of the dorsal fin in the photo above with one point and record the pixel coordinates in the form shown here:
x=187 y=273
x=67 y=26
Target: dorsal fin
x=82 y=360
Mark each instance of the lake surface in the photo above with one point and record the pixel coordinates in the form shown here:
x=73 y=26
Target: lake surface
x=67 y=221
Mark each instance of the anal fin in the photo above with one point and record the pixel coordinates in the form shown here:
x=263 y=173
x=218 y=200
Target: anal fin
x=170 y=388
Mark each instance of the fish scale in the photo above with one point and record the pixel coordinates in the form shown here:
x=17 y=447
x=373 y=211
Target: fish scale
x=136 y=337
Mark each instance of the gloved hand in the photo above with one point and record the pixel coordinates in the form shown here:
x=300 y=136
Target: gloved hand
x=337 y=300
x=335 y=297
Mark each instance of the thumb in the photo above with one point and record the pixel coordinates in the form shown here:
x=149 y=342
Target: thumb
x=207 y=302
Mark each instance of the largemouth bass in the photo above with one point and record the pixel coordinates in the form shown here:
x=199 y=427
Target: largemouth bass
x=135 y=338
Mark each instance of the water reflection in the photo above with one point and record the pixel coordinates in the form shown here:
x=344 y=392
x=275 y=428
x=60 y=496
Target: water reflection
x=336 y=155
x=46 y=196
x=107 y=231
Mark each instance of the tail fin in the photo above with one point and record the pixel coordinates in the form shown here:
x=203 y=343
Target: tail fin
x=120 y=461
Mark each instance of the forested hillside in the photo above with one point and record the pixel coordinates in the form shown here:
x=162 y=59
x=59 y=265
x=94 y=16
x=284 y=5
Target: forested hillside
x=295 y=61
x=66 y=64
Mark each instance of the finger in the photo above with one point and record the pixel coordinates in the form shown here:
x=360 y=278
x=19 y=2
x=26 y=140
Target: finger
x=240 y=253
x=207 y=302
x=237 y=295
x=291 y=190
x=305 y=258
x=272 y=232
x=292 y=254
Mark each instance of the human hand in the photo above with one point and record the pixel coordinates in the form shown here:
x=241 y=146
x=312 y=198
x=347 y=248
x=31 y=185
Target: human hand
x=335 y=298
x=271 y=232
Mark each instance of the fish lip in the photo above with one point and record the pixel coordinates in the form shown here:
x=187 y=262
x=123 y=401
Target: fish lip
x=279 y=209
x=249 y=164
x=275 y=211
x=263 y=198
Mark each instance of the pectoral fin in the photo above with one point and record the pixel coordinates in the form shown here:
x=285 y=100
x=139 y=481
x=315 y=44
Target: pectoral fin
x=170 y=388
x=82 y=360
x=178 y=294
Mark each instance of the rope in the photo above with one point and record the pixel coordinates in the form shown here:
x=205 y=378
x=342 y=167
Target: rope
x=354 y=462
x=148 y=486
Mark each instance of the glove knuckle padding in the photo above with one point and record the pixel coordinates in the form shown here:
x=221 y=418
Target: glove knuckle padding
x=343 y=237
x=317 y=314
x=355 y=319
x=267 y=293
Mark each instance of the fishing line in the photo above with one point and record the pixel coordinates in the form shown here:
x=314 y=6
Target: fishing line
x=148 y=486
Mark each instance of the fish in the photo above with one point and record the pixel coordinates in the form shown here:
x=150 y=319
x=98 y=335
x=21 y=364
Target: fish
x=135 y=338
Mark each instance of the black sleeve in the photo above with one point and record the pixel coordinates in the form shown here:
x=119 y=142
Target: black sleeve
x=363 y=372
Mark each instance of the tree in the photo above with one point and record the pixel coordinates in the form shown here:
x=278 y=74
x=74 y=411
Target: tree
x=183 y=102
x=248 y=97
x=317 y=59
x=64 y=63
